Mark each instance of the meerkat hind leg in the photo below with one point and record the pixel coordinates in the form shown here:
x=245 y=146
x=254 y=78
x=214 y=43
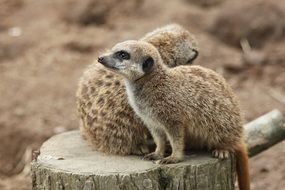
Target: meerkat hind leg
x=159 y=138
x=221 y=153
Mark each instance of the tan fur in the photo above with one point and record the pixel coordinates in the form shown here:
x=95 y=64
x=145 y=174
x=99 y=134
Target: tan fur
x=180 y=102
x=107 y=120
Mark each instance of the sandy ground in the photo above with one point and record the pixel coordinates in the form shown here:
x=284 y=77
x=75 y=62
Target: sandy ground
x=45 y=46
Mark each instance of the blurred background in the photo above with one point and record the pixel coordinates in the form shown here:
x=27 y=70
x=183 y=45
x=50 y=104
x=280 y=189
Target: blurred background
x=46 y=44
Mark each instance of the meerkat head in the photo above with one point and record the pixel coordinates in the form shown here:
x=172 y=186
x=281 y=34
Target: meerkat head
x=131 y=59
x=176 y=45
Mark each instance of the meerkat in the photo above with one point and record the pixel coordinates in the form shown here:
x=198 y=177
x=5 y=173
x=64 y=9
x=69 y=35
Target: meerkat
x=107 y=120
x=180 y=103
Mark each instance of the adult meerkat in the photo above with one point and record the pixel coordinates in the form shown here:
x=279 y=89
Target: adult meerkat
x=107 y=120
x=180 y=103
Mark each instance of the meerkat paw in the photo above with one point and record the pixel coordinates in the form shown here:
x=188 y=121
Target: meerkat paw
x=141 y=150
x=153 y=156
x=221 y=154
x=144 y=150
x=169 y=160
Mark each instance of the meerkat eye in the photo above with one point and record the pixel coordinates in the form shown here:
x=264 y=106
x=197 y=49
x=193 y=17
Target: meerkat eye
x=147 y=64
x=123 y=55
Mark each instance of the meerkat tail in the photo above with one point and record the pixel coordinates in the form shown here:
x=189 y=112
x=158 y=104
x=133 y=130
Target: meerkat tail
x=242 y=167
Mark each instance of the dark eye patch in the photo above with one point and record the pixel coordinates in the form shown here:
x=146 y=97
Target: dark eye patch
x=147 y=64
x=122 y=55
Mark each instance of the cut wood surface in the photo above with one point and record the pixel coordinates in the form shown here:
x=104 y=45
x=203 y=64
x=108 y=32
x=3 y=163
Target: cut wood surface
x=66 y=161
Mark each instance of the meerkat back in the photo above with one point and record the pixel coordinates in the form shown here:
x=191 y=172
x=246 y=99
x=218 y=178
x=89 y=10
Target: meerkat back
x=106 y=118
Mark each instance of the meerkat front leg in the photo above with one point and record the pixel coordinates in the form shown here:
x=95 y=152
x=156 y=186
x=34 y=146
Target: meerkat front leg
x=176 y=137
x=159 y=138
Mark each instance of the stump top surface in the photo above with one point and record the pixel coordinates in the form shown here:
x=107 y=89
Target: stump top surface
x=69 y=152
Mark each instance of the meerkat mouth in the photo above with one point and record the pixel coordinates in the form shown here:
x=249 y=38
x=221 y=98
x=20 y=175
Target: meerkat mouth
x=111 y=67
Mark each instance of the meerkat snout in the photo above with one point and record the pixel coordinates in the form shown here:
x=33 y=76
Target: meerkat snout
x=131 y=59
x=192 y=56
x=101 y=60
x=108 y=62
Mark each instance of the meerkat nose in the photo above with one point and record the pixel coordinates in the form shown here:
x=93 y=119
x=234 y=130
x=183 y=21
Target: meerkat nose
x=101 y=59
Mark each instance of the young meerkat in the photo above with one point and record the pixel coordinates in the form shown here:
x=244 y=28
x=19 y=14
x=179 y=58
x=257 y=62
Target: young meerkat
x=180 y=103
x=107 y=120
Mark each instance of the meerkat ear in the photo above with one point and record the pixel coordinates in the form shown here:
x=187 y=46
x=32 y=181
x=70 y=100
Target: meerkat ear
x=147 y=64
x=194 y=54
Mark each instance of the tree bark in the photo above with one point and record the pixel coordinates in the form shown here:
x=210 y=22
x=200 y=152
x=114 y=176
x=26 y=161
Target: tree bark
x=66 y=162
x=264 y=132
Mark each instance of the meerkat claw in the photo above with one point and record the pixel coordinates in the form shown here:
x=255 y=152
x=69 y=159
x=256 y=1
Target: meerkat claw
x=152 y=156
x=168 y=160
x=221 y=154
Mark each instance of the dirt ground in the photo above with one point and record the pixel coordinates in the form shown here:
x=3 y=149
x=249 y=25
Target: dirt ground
x=45 y=46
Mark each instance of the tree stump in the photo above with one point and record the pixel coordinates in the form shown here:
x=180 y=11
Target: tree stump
x=66 y=162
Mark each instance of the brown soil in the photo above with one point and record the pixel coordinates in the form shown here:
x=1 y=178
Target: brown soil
x=45 y=45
